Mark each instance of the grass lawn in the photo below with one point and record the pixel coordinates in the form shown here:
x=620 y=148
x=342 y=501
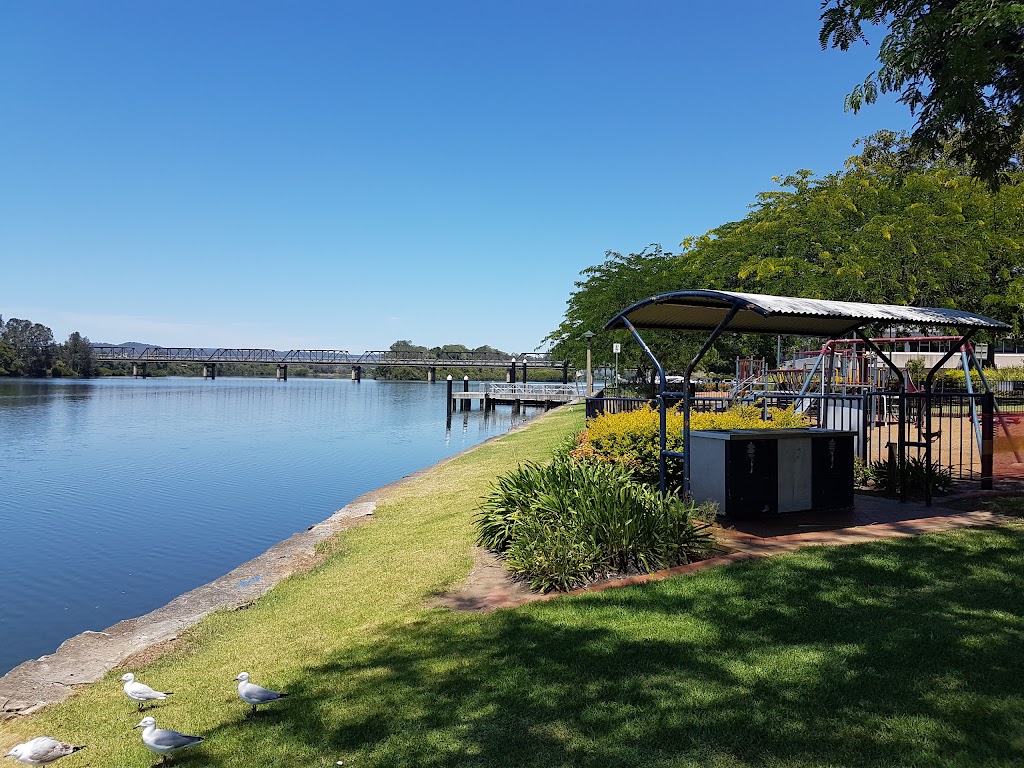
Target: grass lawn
x=897 y=653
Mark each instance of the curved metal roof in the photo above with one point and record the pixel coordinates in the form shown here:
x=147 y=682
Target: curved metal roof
x=760 y=313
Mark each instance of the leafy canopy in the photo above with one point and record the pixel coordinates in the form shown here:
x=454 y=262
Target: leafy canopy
x=958 y=65
x=890 y=228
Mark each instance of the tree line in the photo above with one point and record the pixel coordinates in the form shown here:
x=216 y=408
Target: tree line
x=894 y=226
x=29 y=349
x=930 y=218
x=446 y=367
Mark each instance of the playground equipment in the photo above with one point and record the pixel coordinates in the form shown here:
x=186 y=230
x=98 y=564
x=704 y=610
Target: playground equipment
x=847 y=366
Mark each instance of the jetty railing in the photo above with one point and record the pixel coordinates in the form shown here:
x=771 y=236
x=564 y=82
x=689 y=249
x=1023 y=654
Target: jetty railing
x=546 y=390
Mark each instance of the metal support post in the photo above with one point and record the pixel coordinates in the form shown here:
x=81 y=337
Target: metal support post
x=686 y=399
x=988 y=408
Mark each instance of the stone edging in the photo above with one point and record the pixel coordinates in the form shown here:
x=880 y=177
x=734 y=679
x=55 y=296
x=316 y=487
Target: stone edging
x=85 y=658
x=88 y=656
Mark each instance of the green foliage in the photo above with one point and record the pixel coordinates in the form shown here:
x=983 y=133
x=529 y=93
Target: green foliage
x=632 y=439
x=862 y=474
x=917 y=371
x=954 y=378
x=563 y=524
x=76 y=356
x=957 y=65
x=28 y=349
x=448 y=357
x=889 y=228
x=886 y=476
x=61 y=370
x=32 y=343
x=10 y=363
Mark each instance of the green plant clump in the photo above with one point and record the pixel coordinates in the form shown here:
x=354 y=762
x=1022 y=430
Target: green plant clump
x=631 y=439
x=566 y=523
x=887 y=477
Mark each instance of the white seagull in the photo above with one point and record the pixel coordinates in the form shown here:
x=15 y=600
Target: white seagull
x=162 y=741
x=141 y=692
x=41 y=750
x=253 y=694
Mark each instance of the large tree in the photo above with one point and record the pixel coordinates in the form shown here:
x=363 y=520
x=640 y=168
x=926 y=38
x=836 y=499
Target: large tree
x=958 y=65
x=33 y=344
x=889 y=228
x=77 y=354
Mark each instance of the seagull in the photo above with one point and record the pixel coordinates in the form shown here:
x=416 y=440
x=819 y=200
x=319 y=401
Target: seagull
x=41 y=750
x=162 y=741
x=141 y=692
x=253 y=694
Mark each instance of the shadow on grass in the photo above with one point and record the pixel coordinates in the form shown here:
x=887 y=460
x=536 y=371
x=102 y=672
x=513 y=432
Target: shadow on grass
x=896 y=653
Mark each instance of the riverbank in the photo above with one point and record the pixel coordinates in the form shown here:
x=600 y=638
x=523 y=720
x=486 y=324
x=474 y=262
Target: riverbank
x=87 y=657
x=884 y=653
x=141 y=512
x=366 y=578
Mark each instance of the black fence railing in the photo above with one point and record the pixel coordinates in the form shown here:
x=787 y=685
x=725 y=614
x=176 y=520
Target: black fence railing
x=968 y=436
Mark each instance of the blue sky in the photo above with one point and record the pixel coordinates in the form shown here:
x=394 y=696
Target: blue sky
x=344 y=174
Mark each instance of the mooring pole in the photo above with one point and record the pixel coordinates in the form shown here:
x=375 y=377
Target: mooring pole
x=448 y=397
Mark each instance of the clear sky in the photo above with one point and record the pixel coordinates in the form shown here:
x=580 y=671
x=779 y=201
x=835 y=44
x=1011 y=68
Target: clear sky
x=342 y=174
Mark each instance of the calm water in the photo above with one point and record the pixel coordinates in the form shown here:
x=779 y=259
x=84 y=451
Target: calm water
x=118 y=495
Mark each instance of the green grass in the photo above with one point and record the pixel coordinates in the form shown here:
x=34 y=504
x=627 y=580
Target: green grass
x=896 y=653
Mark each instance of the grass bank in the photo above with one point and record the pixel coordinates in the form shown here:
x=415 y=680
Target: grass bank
x=896 y=653
x=377 y=578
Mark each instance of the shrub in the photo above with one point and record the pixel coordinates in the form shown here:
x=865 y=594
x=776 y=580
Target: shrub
x=632 y=439
x=887 y=478
x=566 y=523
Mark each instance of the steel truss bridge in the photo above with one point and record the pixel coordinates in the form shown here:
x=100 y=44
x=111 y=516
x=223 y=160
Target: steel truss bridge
x=425 y=359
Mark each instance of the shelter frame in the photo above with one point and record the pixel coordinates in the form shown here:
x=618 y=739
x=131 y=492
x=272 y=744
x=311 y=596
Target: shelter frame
x=721 y=311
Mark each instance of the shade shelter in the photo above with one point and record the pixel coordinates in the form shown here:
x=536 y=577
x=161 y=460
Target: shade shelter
x=722 y=311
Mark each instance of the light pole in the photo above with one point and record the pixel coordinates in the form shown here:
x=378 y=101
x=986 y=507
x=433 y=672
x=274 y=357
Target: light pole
x=590 y=372
x=616 y=348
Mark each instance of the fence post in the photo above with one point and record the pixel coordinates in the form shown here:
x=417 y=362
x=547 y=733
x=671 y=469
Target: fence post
x=864 y=424
x=988 y=407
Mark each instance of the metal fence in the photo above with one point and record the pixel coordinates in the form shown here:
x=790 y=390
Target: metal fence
x=970 y=436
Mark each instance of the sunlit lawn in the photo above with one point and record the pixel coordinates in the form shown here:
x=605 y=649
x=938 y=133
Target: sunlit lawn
x=901 y=653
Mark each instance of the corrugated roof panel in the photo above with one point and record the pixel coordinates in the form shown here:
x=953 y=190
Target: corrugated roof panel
x=761 y=313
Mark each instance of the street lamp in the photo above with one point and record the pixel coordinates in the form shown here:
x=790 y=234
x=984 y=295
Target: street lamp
x=616 y=348
x=590 y=372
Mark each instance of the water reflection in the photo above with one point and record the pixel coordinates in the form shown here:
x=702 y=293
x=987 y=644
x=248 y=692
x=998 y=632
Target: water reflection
x=190 y=477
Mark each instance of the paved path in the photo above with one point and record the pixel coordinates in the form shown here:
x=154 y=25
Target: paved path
x=873 y=518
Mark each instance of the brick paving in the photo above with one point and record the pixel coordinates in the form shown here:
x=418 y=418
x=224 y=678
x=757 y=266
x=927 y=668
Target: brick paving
x=872 y=519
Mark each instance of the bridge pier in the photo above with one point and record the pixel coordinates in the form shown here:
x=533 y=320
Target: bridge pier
x=138 y=371
x=209 y=370
x=510 y=374
x=357 y=373
x=431 y=375
x=565 y=372
x=282 y=372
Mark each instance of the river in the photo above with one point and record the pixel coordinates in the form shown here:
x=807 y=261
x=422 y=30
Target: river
x=117 y=495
